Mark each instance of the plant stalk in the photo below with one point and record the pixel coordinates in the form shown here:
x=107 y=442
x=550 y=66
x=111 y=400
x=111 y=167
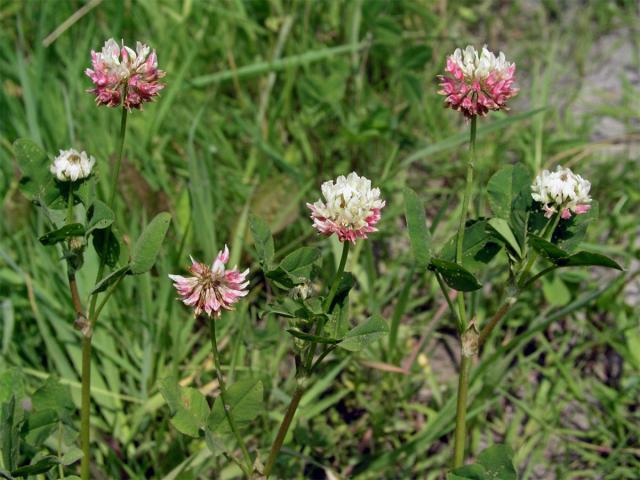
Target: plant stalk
x=282 y=431
x=85 y=409
x=327 y=306
x=85 y=412
x=465 y=363
x=336 y=281
x=488 y=328
x=547 y=234
x=223 y=396
x=461 y=412
x=462 y=313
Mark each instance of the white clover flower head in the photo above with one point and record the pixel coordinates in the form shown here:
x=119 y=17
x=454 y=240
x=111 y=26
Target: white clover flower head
x=475 y=83
x=562 y=191
x=72 y=165
x=350 y=209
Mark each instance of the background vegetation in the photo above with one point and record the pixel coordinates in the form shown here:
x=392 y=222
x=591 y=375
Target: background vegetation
x=265 y=99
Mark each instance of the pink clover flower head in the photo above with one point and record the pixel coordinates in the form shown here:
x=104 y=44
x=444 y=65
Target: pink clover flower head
x=213 y=288
x=562 y=191
x=351 y=208
x=476 y=83
x=124 y=76
x=71 y=165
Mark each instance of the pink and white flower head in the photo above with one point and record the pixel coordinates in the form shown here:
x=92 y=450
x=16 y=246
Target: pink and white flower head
x=477 y=83
x=72 y=165
x=122 y=72
x=350 y=210
x=212 y=289
x=561 y=191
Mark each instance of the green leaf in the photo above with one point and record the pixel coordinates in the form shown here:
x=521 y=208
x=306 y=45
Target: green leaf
x=263 y=241
x=71 y=456
x=59 y=235
x=571 y=232
x=502 y=228
x=100 y=216
x=299 y=262
x=419 y=234
x=11 y=420
x=189 y=408
x=312 y=338
x=555 y=291
x=547 y=249
x=295 y=267
x=5 y=475
x=11 y=384
x=148 y=245
x=37 y=182
x=479 y=246
x=245 y=404
x=509 y=190
x=107 y=243
x=364 y=334
x=562 y=258
x=110 y=279
x=52 y=407
x=455 y=276
x=497 y=462
x=468 y=472
x=53 y=395
x=591 y=259
x=41 y=466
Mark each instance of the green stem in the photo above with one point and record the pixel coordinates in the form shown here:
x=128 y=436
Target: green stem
x=465 y=364
x=223 y=395
x=282 y=431
x=547 y=234
x=463 y=217
x=461 y=412
x=445 y=292
x=116 y=170
x=336 y=281
x=328 y=305
x=85 y=412
x=70 y=204
x=85 y=408
x=488 y=328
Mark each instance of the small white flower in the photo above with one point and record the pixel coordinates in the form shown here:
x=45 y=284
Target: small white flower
x=350 y=210
x=72 y=165
x=562 y=191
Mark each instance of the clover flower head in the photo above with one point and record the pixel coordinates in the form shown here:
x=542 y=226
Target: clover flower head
x=561 y=191
x=351 y=208
x=124 y=76
x=477 y=82
x=72 y=165
x=213 y=288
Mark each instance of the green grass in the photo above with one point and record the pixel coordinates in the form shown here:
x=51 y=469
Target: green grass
x=264 y=101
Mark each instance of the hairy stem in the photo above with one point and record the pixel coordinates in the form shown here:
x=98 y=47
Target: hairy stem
x=85 y=408
x=85 y=412
x=488 y=328
x=466 y=199
x=282 y=431
x=336 y=281
x=547 y=234
x=223 y=396
x=465 y=364
x=461 y=412
x=328 y=305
